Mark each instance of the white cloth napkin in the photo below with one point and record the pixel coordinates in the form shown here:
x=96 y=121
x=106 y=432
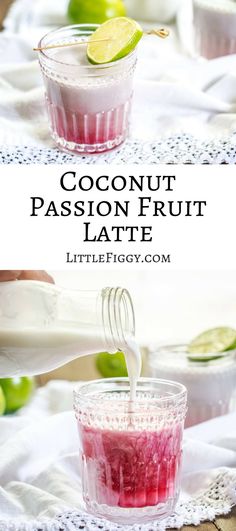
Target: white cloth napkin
x=40 y=477
x=175 y=92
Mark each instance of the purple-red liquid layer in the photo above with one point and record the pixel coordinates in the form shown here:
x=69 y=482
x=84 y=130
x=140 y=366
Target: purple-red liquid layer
x=89 y=129
x=131 y=469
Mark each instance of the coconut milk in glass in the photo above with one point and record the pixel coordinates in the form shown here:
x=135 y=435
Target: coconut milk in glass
x=210 y=384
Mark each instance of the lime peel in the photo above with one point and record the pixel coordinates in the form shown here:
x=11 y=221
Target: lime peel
x=94 y=11
x=111 y=365
x=2 y=402
x=17 y=392
x=118 y=38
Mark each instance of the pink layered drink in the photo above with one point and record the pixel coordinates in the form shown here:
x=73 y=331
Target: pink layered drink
x=132 y=468
x=88 y=105
x=210 y=384
x=130 y=450
x=215 y=27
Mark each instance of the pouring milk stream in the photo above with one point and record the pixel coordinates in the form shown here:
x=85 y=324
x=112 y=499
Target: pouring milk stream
x=43 y=327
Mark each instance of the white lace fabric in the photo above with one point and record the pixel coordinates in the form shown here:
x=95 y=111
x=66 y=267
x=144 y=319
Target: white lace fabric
x=175 y=149
x=217 y=499
x=40 y=487
x=184 y=107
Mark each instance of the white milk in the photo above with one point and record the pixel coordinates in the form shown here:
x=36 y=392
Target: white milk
x=34 y=351
x=43 y=327
x=85 y=92
x=134 y=365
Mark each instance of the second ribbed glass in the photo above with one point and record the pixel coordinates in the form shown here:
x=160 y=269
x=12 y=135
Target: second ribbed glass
x=210 y=383
x=88 y=105
x=214 y=27
x=130 y=451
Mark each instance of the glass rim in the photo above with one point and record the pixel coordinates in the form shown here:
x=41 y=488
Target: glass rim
x=218 y=7
x=82 y=390
x=89 y=66
x=178 y=349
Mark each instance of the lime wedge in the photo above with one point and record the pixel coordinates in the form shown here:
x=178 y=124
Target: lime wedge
x=118 y=37
x=111 y=365
x=208 y=345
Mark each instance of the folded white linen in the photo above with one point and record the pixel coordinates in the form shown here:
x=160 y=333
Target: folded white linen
x=39 y=465
x=174 y=91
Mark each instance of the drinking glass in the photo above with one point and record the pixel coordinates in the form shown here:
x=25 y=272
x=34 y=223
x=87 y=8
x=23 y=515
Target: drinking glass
x=214 y=27
x=210 y=384
x=130 y=451
x=88 y=105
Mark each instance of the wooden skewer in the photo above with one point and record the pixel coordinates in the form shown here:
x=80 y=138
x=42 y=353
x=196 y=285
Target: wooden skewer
x=64 y=44
x=162 y=33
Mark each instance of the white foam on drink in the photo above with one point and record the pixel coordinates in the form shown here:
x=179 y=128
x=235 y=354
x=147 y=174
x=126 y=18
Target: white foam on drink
x=71 y=55
x=78 y=87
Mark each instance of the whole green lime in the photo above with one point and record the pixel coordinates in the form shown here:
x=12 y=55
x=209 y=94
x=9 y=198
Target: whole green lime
x=17 y=392
x=2 y=402
x=94 y=11
x=111 y=365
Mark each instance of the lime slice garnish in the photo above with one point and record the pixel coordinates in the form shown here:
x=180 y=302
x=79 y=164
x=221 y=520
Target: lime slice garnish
x=208 y=345
x=111 y=365
x=118 y=37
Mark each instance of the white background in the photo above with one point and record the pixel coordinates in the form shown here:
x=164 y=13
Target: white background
x=42 y=242
x=172 y=301
x=169 y=305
